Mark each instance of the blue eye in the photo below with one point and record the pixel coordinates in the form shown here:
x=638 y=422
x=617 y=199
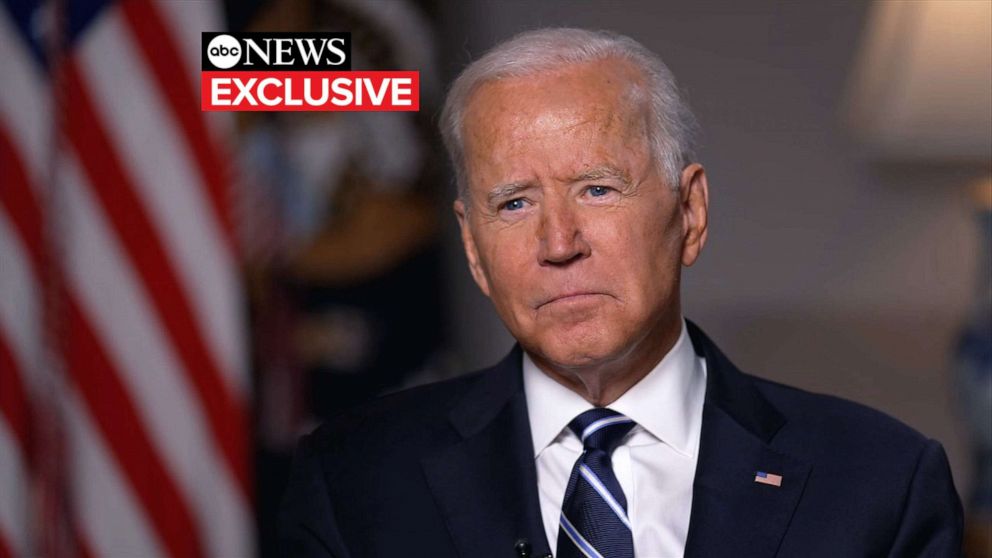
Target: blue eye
x=598 y=191
x=514 y=205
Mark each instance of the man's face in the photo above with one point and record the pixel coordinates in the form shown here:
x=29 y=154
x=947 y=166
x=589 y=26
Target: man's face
x=571 y=230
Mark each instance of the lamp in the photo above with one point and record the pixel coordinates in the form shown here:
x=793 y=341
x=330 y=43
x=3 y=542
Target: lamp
x=921 y=89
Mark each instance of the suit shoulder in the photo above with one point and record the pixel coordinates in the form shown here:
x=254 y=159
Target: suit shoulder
x=839 y=423
x=390 y=417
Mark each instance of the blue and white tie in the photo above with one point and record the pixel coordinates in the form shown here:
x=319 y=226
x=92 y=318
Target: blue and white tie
x=594 y=521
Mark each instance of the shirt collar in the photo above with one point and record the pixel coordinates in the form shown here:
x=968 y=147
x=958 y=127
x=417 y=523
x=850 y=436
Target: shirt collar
x=666 y=403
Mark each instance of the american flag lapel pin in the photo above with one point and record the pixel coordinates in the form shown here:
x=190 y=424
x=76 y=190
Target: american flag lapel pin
x=761 y=477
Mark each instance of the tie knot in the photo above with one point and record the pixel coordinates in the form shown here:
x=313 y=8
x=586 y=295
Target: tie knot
x=601 y=429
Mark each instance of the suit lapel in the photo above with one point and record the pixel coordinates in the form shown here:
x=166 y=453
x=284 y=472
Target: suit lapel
x=486 y=484
x=732 y=515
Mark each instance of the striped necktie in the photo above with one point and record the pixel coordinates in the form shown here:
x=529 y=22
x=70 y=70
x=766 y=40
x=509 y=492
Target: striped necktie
x=594 y=521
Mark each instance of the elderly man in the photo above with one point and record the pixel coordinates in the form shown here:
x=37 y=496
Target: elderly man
x=615 y=428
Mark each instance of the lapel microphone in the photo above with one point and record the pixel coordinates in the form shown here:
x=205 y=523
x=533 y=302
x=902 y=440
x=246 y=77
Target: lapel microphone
x=523 y=549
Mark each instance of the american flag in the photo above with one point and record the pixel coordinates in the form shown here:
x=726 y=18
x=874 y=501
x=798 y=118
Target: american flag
x=762 y=477
x=124 y=386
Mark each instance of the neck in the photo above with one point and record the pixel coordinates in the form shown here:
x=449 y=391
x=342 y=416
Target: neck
x=604 y=382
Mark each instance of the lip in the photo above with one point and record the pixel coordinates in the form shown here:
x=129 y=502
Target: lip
x=577 y=296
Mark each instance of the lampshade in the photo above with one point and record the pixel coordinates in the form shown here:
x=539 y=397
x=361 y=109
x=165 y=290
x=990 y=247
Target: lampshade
x=921 y=88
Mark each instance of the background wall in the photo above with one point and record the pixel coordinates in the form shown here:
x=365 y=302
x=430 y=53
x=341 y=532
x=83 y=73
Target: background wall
x=823 y=269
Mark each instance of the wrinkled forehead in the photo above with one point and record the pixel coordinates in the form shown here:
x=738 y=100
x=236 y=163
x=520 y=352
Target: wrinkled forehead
x=601 y=101
x=608 y=88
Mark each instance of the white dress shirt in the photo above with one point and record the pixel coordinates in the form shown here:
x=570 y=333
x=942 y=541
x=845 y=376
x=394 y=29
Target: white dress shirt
x=655 y=464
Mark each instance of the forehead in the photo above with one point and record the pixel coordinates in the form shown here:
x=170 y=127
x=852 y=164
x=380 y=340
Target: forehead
x=594 y=109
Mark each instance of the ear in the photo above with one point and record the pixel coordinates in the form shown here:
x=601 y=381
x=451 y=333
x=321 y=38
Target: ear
x=471 y=250
x=695 y=198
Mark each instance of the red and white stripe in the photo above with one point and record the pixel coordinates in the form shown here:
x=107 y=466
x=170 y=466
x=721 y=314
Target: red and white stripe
x=133 y=194
x=17 y=348
x=23 y=137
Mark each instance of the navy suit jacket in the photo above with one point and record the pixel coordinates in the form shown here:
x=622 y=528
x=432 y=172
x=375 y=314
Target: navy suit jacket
x=448 y=470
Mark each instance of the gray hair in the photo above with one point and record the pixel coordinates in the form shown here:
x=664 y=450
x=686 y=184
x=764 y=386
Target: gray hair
x=672 y=126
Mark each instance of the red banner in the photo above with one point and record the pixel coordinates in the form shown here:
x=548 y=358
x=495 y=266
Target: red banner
x=310 y=91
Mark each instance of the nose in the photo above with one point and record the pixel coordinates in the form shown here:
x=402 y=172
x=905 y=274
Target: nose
x=560 y=234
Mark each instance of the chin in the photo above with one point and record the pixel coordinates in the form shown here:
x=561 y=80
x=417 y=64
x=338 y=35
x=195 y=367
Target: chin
x=578 y=349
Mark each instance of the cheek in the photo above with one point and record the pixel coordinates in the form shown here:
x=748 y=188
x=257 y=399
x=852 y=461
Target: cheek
x=505 y=264
x=643 y=253
x=661 y=232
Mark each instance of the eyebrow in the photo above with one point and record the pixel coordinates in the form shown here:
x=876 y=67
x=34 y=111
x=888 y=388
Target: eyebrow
x=510 y=189
x=503 y=191
x=605 y=171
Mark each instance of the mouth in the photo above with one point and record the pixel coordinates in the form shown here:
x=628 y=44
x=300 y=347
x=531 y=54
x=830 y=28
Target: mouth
x=578 y=297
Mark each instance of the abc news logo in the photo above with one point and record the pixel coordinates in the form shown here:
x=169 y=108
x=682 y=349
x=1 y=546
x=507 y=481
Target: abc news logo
x=297 y=72
x=277 y=51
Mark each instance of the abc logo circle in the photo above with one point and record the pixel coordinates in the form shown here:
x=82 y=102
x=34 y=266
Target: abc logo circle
x=224 y=51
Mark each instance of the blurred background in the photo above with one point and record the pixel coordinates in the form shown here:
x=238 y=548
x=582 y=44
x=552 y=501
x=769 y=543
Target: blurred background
x=183 y=294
